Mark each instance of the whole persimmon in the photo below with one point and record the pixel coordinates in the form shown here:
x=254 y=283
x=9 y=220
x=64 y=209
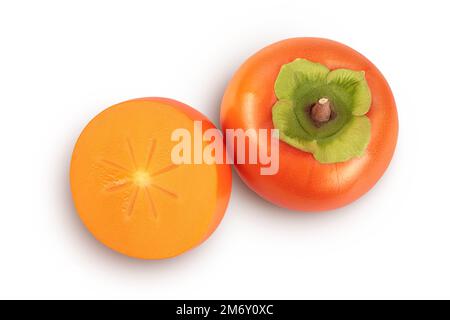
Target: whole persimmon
x=336 y=119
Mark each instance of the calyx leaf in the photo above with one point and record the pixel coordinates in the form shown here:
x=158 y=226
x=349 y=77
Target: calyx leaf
x=300 y=72
x=300 y=84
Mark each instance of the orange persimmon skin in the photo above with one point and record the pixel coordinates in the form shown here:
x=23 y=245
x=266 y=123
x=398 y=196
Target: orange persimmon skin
x=303 y=183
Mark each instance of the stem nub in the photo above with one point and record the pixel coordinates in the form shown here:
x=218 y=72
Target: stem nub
x=321 y=111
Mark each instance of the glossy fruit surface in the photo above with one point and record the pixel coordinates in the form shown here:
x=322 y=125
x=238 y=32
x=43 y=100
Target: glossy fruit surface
x=302 y=182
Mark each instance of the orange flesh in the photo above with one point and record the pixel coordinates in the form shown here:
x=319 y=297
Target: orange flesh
x=128 y=192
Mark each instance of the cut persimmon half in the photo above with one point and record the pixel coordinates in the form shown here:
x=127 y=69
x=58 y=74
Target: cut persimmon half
x=129 y=193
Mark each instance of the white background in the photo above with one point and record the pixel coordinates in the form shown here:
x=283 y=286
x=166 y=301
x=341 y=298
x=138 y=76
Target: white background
x=63 y=62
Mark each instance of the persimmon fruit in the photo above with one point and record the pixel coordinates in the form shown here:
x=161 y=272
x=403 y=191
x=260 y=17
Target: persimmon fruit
x=129 y=193
x=336 y=117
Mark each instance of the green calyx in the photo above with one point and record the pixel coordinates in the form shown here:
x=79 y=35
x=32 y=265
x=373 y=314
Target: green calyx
x=322 y=111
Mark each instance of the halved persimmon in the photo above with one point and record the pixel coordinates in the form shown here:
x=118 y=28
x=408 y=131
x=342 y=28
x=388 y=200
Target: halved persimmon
x=129 y=193
x=336 y=117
